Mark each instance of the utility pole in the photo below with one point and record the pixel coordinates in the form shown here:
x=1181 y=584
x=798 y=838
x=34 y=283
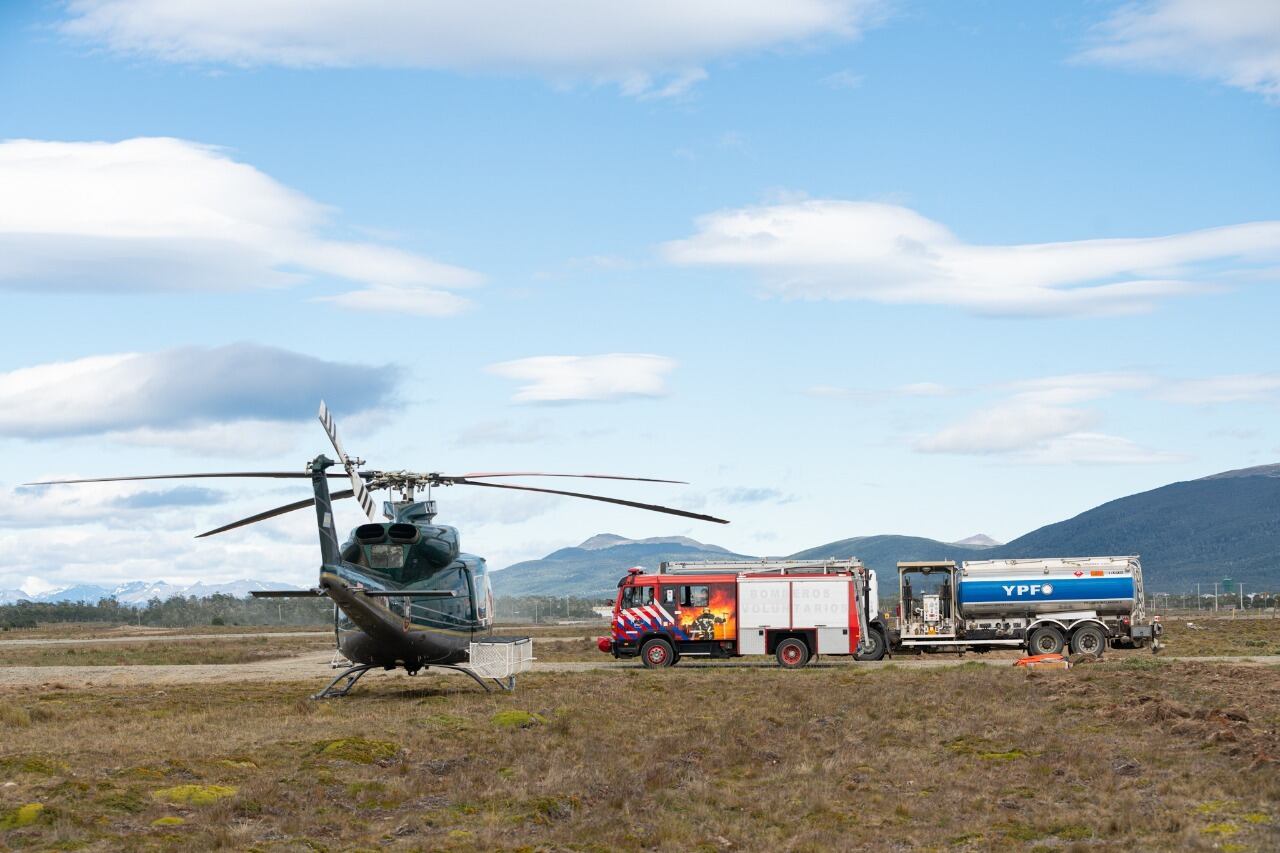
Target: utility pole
x=1215 y=596
x=1197 y=598
x=1242 y=596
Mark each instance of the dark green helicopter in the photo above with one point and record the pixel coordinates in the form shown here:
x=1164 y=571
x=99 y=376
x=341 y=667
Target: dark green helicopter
x=404 y=594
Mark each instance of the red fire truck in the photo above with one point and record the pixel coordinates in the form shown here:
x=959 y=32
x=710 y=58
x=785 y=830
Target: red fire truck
x=794 y=610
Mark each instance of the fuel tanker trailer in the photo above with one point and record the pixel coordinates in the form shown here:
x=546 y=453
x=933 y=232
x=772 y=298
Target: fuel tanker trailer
x=1042 y=605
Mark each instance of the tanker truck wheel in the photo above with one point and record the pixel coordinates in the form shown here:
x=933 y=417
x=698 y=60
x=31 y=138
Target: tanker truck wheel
x=656 y=654
x=1088 y=640
x=792 y=653
x=1046 y=640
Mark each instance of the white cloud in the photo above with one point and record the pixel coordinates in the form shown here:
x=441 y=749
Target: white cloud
x=1235 y=388
x=401 y=300
x=1089 y=448
x=236 y=397
x=844 y=79
x=650 y=49
x=167 y=214
x=752 y=495
x=128 y=505
x=1080 y=387
x=1041 y=422
x=574 y=378
x=488 y=433
x=831 y=249
x=1007 y=427
x=1236 y=42
x=239 y=439
x=911 y=389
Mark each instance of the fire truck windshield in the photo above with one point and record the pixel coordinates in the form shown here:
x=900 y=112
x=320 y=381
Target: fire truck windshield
x=637 y=596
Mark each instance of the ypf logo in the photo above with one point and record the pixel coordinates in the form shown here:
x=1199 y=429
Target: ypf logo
x=1032 y=589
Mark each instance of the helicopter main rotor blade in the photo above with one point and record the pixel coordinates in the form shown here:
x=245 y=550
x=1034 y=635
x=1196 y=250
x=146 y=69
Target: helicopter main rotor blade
x=652 y=507
x=278 y=475
x=545 y=474
x=272 y=513
x=357 y=484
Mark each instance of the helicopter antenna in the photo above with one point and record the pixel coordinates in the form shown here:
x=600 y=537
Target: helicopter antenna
x=358 y=490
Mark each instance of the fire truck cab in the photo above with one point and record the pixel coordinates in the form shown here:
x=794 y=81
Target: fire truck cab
x=793 y=610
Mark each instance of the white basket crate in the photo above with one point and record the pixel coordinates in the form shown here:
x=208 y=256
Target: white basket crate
x=501 y=659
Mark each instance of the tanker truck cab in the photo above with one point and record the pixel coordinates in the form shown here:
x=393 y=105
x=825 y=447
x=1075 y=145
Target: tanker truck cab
x=1045 y=606
x=929 y=617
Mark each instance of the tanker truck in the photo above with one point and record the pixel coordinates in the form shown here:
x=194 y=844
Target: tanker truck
x=1042 y=606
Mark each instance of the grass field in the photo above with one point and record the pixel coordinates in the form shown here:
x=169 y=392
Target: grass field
x=1132 y=753
x=89 y=630
x=187 y=652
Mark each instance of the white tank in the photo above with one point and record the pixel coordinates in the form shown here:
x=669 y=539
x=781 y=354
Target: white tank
x=1107 y=585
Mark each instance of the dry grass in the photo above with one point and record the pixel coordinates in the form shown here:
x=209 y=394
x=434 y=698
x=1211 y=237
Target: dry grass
x=1222 y=636
x=92 y=630
x=1129 y=754
x=185 y=653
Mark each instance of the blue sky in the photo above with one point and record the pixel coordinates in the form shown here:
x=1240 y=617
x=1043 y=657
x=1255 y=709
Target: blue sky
x=849 y=267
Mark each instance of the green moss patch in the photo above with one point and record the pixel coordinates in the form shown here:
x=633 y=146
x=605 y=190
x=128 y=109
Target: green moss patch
x=21 y=816
x=358 y=750
x=36 y=764
x=1221 y=829
x=171 y=820
x=984 y=749
x=1008 y=755
x=194 y=795
x=514 y=719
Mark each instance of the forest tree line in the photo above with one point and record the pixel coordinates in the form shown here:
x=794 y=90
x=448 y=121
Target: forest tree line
x=183 y=611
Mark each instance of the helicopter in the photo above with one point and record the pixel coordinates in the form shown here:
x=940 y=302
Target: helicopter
x=404 y=593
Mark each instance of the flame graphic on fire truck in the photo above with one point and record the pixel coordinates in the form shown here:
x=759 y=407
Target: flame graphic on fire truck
x=688 y=612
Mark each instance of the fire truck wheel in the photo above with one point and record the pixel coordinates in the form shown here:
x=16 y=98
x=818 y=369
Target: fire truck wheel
x=657 y=653
x=878 y=647
x=1046 y=640
x=1088 y=640
x=792 y=653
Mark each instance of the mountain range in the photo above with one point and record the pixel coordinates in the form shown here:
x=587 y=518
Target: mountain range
x=140 y=592
x=1196 y=531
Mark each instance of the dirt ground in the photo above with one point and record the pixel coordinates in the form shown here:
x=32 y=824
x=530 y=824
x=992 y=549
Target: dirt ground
x=1136 y=751
x=1126 y=754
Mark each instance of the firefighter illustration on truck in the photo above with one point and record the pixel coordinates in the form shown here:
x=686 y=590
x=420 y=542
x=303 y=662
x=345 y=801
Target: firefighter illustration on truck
x=704 y=627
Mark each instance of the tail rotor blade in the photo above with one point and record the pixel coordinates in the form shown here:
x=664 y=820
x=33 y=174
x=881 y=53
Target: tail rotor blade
x=651 y=507
x=357 y=483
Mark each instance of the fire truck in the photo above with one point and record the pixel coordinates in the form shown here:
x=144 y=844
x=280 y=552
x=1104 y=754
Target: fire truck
x=793 y=610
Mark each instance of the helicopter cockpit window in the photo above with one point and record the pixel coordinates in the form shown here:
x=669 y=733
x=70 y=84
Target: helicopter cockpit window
x=386 y=556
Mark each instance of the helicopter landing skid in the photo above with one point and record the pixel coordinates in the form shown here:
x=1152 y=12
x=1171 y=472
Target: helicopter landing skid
x=351 y=674
x=508 y=684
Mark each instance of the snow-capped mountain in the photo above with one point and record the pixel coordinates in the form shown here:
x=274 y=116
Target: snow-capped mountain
x=140 y=592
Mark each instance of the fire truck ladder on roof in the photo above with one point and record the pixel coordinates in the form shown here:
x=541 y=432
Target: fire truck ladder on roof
x=749 y=567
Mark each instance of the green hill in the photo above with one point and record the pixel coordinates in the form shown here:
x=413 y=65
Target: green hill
x=1226 y=525
x=593 y=568
x=883 y=552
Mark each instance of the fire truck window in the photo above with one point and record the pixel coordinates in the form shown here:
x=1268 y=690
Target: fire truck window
x=669 y=595
x=637 y=596
x=695 y=596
